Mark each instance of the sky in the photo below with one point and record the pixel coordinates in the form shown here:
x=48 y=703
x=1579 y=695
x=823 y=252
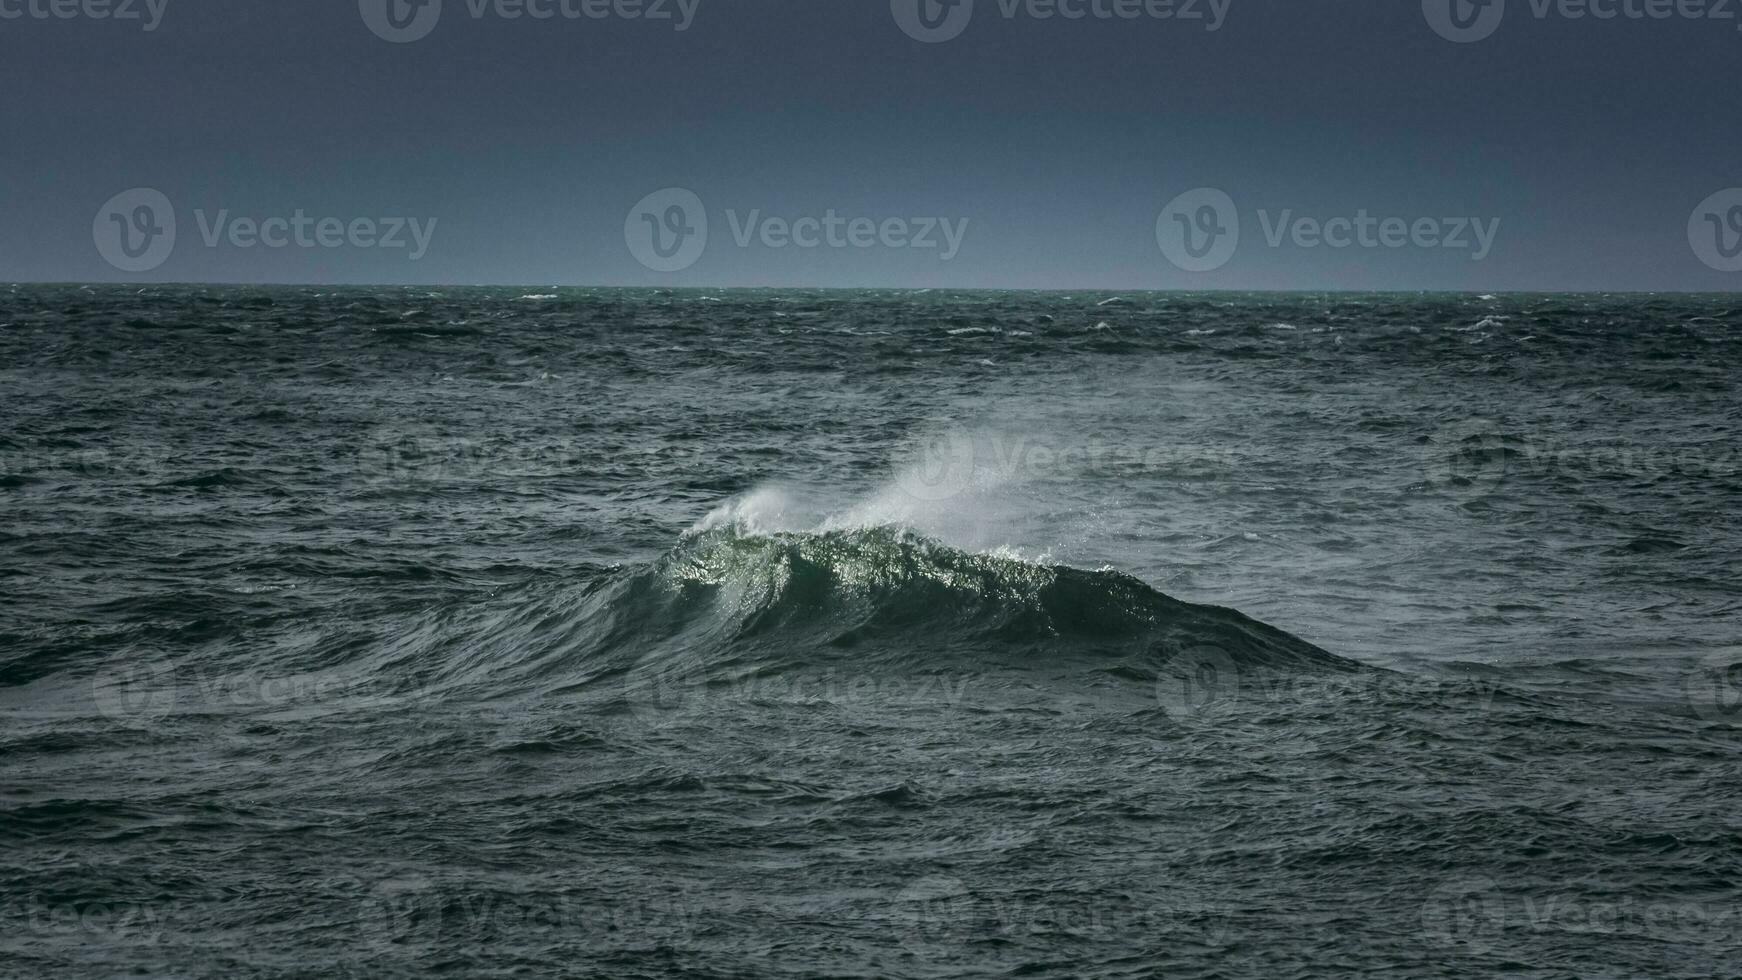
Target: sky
x=1135 y=144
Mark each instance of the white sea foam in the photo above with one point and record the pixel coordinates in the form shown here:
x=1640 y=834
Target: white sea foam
x=979 y=491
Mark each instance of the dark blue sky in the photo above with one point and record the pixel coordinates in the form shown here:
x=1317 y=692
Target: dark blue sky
x=1058 y=141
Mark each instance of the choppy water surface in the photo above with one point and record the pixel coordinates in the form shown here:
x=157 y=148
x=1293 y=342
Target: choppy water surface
x=633 y=633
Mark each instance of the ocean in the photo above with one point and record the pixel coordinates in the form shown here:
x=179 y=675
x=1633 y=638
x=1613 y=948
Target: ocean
x=391 y=632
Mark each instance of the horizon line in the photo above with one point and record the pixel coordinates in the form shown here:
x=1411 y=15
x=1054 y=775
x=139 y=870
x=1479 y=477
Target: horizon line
x=889 y=288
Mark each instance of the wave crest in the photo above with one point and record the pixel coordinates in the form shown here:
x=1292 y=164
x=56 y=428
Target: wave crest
x=885 y=585
x=728 y=601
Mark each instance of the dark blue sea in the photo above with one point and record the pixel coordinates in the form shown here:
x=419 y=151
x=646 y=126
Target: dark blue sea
x=487 y=632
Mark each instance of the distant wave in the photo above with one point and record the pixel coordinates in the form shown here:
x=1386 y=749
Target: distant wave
x=888 y=585
x=729 y=598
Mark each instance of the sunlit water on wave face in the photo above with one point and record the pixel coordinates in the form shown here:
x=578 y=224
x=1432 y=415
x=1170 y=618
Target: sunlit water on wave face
x=624 y=633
